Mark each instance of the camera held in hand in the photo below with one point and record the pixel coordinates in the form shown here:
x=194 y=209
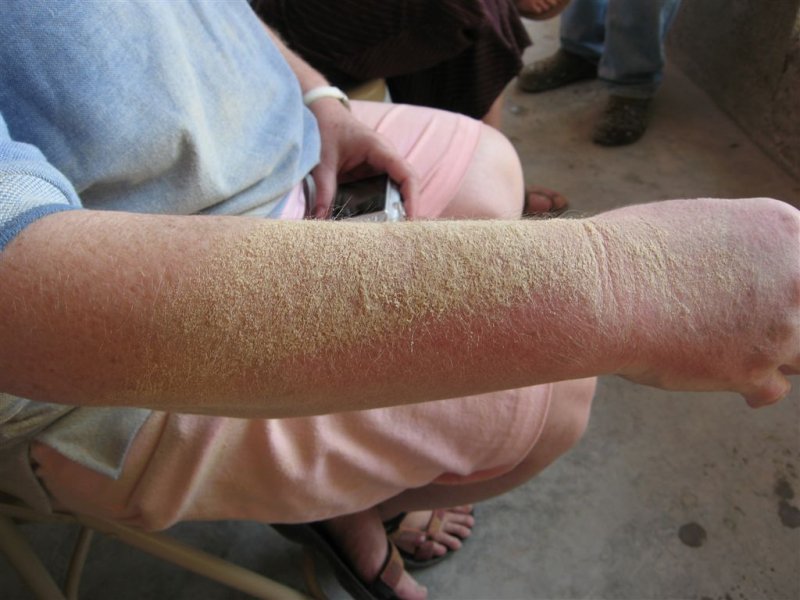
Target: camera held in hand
x=375 y=199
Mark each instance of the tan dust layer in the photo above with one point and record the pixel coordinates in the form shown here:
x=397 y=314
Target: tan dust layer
x=309 y=291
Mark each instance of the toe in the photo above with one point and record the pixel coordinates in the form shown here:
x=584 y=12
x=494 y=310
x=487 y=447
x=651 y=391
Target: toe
x=459 y=531
x=540 y=200
x=408 y=589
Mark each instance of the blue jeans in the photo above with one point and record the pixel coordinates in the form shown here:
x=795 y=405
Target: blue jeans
x=624 y=37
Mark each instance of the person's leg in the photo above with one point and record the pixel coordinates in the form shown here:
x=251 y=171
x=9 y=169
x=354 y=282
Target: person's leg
x=583 y=28
x=456 y=55
x=582 y=38
x=485 y=39
x=566 y=421
x=633 y=60
x=632 y=65
x=483 y=178
x=337 y=468
x=480 y=194
x=539 y=200
x=564 y=425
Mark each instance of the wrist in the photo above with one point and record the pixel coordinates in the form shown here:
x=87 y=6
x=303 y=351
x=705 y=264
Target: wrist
x=640 y=314
x=326 y=92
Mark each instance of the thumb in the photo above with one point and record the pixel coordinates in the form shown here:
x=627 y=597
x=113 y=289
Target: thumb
x=325 y=181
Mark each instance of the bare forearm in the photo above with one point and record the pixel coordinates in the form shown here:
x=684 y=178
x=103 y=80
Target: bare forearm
x=249 y=317
x=308 y=76
x=236 y=316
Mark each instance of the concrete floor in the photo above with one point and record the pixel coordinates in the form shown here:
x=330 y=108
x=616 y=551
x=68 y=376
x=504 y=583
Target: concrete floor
x=615 y=518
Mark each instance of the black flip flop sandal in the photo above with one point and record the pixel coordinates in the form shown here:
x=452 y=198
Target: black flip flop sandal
x=314 y=536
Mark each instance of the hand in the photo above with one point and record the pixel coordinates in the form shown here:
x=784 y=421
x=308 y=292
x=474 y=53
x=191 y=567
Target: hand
x=351 y=150
x=712 y=299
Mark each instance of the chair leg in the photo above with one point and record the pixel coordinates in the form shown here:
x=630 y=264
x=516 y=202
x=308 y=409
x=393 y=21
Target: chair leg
x=195 y=560
x=24 y=560
x=79 y=553
x=310 y=575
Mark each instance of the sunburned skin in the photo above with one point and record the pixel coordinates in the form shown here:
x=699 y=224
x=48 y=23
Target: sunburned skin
x=245 y=317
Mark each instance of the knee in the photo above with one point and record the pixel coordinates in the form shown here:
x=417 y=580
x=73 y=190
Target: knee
x=566 y=422
x=493 y=186
x=505 y=198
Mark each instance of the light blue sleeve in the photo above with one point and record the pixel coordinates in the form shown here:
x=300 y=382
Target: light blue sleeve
x=30 y=187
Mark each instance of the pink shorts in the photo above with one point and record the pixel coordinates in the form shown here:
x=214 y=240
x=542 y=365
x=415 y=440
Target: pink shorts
x=187 y=467
x=190 y=467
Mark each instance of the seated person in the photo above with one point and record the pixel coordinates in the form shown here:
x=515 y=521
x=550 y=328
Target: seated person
x=179 y=344
x=623 y=43
x=456 y=55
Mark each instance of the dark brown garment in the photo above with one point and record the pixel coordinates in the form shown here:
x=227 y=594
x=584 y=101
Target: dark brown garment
x=453 y=54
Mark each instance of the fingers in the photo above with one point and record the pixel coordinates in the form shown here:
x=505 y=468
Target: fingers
x=356 y=151
x=385 y=159
x=325 y=180
x=769 y=391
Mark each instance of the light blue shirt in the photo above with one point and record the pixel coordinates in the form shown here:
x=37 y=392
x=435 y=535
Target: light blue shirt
x=156 y=106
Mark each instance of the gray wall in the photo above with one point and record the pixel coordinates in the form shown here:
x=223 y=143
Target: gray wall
x=746 y=55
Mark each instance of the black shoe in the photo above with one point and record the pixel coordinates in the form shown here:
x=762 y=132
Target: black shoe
x=560 y=69
x=623 y=122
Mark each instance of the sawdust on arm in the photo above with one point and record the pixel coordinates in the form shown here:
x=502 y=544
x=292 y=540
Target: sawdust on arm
x=238 y=316
x=247 y=317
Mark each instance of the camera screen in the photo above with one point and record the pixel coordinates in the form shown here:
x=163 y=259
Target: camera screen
x=360 y=197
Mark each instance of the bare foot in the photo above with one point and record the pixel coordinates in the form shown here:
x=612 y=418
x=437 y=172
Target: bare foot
x=362 y=539
x=541 y=200
x=424 y=536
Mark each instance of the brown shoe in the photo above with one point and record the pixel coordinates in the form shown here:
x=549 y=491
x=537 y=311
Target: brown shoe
x=558 y=70
x=623 y=122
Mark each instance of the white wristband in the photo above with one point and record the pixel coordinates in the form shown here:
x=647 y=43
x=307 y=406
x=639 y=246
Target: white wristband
x=326 y=91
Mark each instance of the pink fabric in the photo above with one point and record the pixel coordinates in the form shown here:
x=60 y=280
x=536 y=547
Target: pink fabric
x=440 y=146
x=186 y=467
x=295 y=207
x=436 y=135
